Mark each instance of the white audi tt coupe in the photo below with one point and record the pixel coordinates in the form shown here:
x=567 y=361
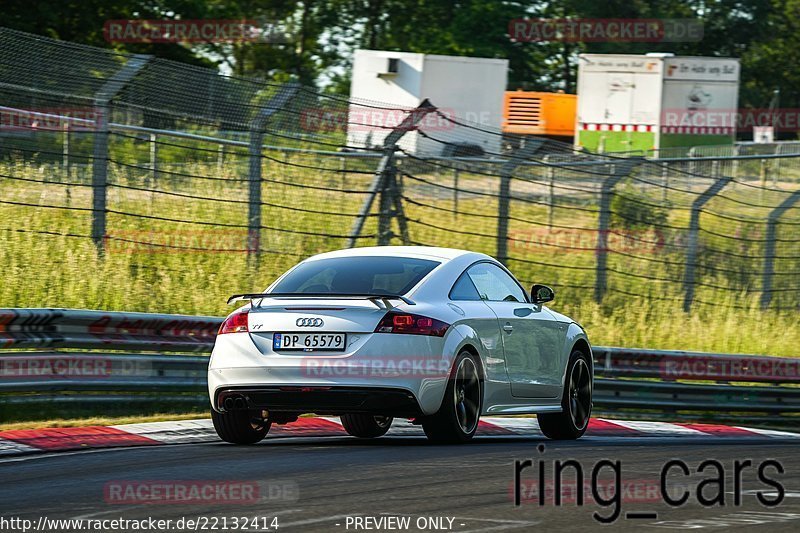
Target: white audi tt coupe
x=435 y=335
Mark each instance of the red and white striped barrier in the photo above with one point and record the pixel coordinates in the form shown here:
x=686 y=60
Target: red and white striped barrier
x=646 y=128
x=24 y=441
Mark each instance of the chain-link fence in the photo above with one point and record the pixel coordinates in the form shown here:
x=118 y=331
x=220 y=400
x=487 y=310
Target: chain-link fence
x=133 y=182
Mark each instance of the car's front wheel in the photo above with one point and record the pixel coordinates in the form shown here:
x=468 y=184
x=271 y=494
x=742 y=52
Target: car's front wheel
x=576 y=402
x=457 y=418
x=241 y=426
x=366 y=426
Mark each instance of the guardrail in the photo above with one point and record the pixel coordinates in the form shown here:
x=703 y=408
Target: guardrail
x=698 y=385
x=102 y=376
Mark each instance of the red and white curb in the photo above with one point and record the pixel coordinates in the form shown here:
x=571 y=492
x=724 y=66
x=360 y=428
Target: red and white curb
x=24 y=441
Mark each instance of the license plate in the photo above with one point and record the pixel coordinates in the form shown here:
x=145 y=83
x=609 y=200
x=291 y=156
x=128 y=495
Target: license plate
x=309 y=342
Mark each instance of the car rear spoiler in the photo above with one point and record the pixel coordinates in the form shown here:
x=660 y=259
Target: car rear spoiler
x=384 y=299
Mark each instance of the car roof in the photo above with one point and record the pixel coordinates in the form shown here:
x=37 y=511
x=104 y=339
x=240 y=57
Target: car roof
x=432 y=252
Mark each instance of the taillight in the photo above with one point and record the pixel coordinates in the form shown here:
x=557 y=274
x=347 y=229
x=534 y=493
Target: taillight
x=411 y=325
x=235 y=323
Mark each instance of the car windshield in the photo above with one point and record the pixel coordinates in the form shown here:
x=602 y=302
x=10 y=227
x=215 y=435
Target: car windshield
x=356 y=275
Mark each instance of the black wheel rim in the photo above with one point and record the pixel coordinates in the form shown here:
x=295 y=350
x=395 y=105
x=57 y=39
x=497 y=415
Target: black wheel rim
x=580 y=394
x=258 y=423
x=467 y=395
x=383 y=421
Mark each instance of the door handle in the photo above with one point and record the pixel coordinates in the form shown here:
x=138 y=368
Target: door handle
x=508 y=328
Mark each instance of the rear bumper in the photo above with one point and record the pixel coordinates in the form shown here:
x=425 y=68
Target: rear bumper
x=325 y=400
x=398 y=367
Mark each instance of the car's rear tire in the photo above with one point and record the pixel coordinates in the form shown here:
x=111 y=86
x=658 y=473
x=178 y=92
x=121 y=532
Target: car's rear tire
x=576 y=402
x=366 y=426
x=240 y=426
x=457 y=418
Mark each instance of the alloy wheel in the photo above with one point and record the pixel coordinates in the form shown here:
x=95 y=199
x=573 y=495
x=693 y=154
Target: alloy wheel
x=467 y=395
x=580 y=394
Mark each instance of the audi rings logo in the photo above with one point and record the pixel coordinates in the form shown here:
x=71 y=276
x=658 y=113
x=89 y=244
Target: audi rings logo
x=309 y=322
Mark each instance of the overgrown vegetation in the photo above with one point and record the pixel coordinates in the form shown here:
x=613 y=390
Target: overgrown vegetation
x=48 y=260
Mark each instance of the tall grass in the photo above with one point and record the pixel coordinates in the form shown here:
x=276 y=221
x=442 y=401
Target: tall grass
x=47 y=259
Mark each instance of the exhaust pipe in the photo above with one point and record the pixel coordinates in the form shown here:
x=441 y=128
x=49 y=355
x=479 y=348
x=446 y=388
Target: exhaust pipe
x=234 y=402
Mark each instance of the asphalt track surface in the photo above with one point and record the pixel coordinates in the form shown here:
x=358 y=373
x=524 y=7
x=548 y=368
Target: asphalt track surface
x=330 y=481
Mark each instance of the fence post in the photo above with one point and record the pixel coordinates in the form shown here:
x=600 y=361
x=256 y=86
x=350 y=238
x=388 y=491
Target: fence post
x=520 y=155
x=691 y=249
x=154 y=157
x=65 y=150
x=769 y=246
x=736 y=153
x=393 y=191
x=384 y=183
x=551 y=193
x=65 y=164
x=455 y=191
x=220 y=158
x=102 y=103
x=621 y=170
x=278 y=102
x=386 y=201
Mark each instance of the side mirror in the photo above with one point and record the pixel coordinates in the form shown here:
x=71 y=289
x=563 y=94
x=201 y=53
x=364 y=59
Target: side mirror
x=542 y=293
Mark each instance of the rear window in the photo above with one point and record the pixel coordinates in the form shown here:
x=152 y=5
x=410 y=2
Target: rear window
x=356 y=275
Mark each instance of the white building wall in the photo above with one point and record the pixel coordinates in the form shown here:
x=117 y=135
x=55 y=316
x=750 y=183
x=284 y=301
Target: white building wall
x=468 y=88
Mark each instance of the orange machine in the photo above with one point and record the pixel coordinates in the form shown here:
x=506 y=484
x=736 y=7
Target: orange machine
x=534 y=113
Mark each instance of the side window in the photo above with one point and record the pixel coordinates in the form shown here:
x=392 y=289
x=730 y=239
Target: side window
x=494 y=284
x=464 y=289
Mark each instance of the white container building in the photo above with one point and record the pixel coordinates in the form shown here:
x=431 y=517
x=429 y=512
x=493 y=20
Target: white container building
x=467 y=88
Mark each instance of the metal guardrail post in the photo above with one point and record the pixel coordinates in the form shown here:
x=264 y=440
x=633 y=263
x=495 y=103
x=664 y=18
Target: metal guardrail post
x=694 y=228
x=769 y=246
x=102 y=103
x=384 y=182
x=520 y=155
x=621 y=170
x=278 y=102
